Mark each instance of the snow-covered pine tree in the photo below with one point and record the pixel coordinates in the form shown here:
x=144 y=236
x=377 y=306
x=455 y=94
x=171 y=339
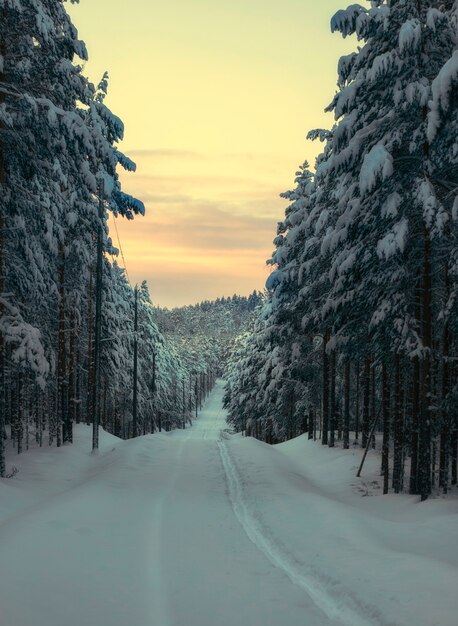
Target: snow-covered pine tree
x=376 y=280
x=442 y=131
x=384 y=234
x=54 y=150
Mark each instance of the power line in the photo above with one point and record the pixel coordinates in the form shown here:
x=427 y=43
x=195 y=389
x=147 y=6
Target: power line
x=121 y=250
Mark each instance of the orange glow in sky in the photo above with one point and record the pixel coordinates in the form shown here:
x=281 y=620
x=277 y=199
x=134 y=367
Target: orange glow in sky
x=217 y=97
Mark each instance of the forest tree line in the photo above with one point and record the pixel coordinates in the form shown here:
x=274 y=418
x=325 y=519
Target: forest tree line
x=78 y=342
x=359 y=332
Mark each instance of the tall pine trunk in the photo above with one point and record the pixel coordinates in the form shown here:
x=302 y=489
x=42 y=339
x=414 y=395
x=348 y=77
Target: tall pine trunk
x=72 y=397
x=444 y=454
x=325 y=393
x=373 y=402
x=424 y=447
x=398 y=430
x=386 y=428
x=90 y=349
x=366 y=401
x=2 y=283
x=357 y=398
x=415 y=421
x=346 y=424
x=332 y=400
x=62 y=433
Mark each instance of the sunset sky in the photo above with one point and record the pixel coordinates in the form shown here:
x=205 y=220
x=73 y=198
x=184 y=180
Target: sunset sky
x=217 y=97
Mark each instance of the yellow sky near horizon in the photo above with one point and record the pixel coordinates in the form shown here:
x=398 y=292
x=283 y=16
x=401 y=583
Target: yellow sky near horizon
x=217 y=97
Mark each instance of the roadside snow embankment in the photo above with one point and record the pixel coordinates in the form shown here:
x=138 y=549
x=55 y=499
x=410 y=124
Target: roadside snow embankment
x=387 y=560
x=49 y=471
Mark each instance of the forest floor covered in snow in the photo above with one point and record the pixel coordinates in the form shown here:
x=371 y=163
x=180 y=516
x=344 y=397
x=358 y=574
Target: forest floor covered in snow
x=204 y=528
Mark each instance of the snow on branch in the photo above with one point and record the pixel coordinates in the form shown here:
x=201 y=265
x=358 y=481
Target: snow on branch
x=27 y=348
x=346 y=21
x=442 y=88
x=410 y=36
x=125 y=162
x=377 y=164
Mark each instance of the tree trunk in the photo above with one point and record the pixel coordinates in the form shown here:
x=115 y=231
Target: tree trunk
x=311 y=424
x=357 y=394
x=413 y=485
x=135 y=381
x=398 y=434
x=20 y=411
x=366 y=402
x=2 y=343
x=90 y=351
x=325 y=392
x=424 y=448
x=444 y=454
x=72 y=397
x=98 y=326
x=373 y=403
x=332 y=401
x=386 y=428
x=454 y=453
x=346 y=424
x=2 y=282
x=61 y=417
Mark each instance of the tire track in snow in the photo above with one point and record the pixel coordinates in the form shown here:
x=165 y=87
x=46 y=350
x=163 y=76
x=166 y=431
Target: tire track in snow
x=339 y=612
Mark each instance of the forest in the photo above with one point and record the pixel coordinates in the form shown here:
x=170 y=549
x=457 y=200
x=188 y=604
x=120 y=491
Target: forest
x=358 y=335
x=78 y=342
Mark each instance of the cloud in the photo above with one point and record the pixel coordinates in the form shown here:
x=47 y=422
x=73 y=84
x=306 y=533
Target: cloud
x=208 y=229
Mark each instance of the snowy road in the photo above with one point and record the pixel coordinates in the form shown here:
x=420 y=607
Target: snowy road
x=149 y=538
x=169 y=530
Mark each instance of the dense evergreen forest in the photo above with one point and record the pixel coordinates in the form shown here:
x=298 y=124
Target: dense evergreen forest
x=359 y=332
x=78 y=342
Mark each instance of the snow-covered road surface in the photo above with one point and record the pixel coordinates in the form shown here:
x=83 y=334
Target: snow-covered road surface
x=198 y=528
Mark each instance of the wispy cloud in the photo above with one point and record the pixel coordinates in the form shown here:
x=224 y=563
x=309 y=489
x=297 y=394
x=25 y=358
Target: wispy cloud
x=208 y=229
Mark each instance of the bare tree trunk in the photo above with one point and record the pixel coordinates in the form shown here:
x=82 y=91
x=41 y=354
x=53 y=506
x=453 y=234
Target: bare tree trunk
x=2 y=278
x=386 y=428
x=366 y=403
x=2 y=342
x=72 y=398
x=332 y=401
x=98 y=326
x=413 y=486
x=454 y=442
x=346 y=429
x=20 y=411
x=311 y=424
x=454 y=453
x=90 y=351
x=398 y=434
x=424 y=449
x=444 y=454
x=135 y=379
x=78 y=398
x=357 y=394
x=62 y=433
x=325 y=392
x=373 y=401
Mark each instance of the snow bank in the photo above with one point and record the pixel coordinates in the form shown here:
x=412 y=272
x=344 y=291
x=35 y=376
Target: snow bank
x=391 y=559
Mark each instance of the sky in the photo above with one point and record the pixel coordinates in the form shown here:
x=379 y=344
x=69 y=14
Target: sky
x=217 y=97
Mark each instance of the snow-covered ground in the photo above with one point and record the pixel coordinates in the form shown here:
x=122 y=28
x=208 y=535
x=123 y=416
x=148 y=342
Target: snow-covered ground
x=201 y=528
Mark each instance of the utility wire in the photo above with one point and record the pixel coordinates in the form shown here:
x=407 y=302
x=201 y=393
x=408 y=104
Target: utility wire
x=121 y=250
x=18 y=136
